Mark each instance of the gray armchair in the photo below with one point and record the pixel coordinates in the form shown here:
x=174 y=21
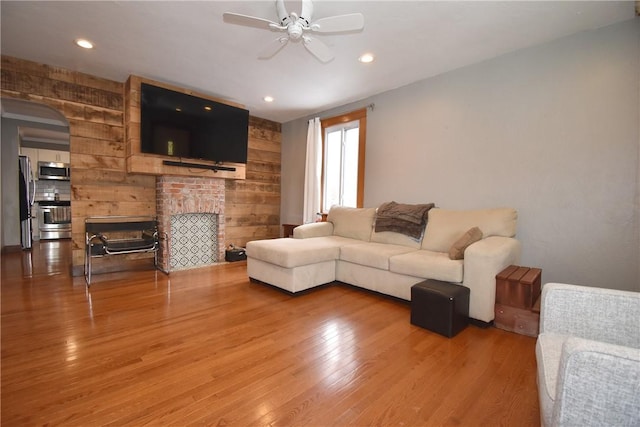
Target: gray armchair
x=588 y=356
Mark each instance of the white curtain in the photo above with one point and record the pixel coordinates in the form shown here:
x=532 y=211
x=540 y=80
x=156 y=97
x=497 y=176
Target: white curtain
x=312 y=172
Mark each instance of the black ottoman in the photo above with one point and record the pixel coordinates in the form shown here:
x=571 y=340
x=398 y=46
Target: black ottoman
x=441 y=307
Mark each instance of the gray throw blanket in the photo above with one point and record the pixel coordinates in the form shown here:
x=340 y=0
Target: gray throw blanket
x=401 y=218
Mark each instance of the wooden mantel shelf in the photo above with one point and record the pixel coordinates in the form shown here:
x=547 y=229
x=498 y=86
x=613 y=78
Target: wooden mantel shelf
x=153 y=164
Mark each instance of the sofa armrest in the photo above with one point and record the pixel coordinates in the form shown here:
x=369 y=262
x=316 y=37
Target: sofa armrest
x=483 y=260
x=313 y=229
x=597 y=314
x=597 y=384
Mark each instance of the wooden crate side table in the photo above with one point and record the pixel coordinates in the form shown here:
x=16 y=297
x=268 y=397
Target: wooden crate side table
x=517 y=294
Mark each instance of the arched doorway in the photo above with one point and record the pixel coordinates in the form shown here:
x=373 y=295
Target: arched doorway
x=41 y=134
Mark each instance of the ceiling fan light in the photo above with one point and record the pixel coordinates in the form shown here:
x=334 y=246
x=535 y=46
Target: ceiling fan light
x=366 y=58
x=84 y=43
x=297 y=26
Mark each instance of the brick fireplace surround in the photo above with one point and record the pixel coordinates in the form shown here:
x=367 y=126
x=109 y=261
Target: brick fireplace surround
x=181 y=195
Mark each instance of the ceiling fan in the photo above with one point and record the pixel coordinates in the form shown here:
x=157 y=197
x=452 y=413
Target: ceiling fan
x=296 y=28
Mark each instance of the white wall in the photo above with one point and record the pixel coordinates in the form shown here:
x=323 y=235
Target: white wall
x=552 y=131
x=9 y=201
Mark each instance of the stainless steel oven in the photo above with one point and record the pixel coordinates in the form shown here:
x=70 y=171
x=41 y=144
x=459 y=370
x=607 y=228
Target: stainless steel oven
x=54 y=220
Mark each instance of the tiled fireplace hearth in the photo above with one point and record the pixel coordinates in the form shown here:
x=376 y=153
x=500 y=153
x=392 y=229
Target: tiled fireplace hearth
x=191 y=212
x=193 y=242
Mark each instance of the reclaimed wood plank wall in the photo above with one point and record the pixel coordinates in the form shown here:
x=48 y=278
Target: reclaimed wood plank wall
x=100 y=184
x=252 y=207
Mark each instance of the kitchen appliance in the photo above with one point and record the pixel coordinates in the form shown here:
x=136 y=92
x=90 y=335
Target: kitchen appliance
x=27 y=195
x=54 y=170
x=54 y=219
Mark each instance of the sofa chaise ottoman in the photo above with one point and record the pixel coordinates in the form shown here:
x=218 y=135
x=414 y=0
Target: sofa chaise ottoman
x=348 y=249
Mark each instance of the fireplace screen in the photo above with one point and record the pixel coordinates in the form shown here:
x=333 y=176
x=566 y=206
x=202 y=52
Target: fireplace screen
x=194 y=240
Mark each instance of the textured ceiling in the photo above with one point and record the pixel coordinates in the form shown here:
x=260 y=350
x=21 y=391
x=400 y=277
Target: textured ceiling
x=187 y=44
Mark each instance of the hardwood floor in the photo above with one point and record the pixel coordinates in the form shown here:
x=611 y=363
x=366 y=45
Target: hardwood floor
x=208 y=347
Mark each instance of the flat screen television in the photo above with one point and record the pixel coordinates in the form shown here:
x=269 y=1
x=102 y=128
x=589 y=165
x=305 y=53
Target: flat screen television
x=178 y=125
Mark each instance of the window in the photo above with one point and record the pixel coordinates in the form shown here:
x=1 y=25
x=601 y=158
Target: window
x=343 y=139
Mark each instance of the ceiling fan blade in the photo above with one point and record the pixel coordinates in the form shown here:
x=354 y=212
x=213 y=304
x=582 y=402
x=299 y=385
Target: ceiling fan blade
x=272 y=48
x=317 y=49
x=340 y=23
x=248 y=21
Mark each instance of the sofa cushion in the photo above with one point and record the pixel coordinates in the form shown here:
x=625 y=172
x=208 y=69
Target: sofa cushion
x=372 y=254
x=446 y=226
x=429 y=265
x=289 y=253
x=354 y=223
x=393 y=238
x=456 y=251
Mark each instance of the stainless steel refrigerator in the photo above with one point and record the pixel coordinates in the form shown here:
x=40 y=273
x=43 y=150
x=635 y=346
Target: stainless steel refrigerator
x=27 y=196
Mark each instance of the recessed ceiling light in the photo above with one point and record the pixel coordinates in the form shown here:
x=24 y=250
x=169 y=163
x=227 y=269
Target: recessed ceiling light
x=84 y=43
x=366 y=58
x=178 y=109
x=268 y=98
x=207 y=108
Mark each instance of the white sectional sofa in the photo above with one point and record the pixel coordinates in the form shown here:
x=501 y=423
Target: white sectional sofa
x=347 y=249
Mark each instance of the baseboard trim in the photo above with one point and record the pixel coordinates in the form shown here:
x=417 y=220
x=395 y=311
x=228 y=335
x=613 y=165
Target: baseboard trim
x=10 y=249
